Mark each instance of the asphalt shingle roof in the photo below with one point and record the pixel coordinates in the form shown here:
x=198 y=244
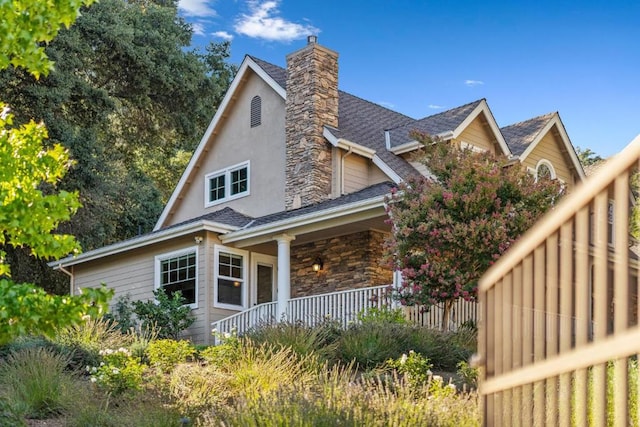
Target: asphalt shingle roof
x=446 y=121
x=225 y=216
x=376 y=190
x=519 y=136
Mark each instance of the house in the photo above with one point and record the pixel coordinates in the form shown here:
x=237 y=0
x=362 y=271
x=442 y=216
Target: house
x=284 y=195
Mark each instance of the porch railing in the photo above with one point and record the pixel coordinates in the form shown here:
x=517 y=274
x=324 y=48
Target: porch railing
x=559 y=336
x=343 y=306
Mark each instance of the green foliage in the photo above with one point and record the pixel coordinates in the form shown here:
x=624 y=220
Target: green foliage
x=168 y=314
x=448 y=230
x=9 y=416
x=118 y=372
x=468 y=374
x=225 y=353
x=588 y=157
x=415 y=368
x=383 y=315
x=27 y=309
x=370 y=345
x=122 y=314
x=28 y=215
x=303 y=340
x=26 y=24
x=165 y=354
x=34 y=382
x=85 y=340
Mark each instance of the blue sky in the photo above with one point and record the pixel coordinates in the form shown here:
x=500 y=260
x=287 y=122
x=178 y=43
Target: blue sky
x=422 y=57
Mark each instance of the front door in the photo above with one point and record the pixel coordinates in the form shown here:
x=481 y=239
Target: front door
x=264 y=274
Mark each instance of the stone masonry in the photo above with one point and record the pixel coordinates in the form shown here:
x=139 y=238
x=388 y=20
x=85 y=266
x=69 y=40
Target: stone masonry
x=312 y=102
x=350 y=262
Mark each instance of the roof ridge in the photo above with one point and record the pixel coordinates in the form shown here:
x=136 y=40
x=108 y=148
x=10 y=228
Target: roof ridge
x=477 y=101
x=530 y=120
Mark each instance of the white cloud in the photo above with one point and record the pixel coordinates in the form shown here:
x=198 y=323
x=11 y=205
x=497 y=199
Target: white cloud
x=199 y=8
x=435 y=107
x=472 y=83
x=223 y=35
x=198 y=28
x=263 y=22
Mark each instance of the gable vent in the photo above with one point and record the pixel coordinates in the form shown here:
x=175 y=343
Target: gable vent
x=256 y=111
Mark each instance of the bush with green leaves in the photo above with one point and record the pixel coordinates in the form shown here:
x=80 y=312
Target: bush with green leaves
x=118 y=373
x=225 y=353
x=165 y=354
x=383 y=314
x=414 y=368
x=169 y=314
x=370 y=345
x=468 y=373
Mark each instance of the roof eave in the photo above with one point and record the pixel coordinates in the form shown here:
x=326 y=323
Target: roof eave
x=146 y=240
x=310 y=222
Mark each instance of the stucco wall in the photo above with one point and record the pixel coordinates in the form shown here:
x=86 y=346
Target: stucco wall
x=235 y=142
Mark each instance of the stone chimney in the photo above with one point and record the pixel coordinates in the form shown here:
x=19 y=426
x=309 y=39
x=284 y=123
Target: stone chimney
x=312 y=103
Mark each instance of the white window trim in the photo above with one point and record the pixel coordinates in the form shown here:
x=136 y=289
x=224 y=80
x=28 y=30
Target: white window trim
x=472 y=147
x=245 y=284
x=162 y=257
x=227 y=186
x=548 y=164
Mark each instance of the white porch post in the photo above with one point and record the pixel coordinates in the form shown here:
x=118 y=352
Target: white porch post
x=284 y=272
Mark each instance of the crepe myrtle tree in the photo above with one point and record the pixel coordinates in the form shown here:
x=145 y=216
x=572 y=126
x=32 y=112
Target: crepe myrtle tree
x=450 y=227
x=30 y=208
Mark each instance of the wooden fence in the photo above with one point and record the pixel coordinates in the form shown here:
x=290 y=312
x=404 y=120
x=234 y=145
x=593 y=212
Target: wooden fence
x=559 y=337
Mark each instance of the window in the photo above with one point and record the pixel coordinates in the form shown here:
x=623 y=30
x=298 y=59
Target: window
x=256 y=111
x=227 y=184
x=230 y=278
x=178 y=271
x=544 y=170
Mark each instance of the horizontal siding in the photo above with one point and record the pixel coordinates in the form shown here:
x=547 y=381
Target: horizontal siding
x=376 y=176
x=550 y=148
x=355 y=173
x=133 y=273
x=479 y=135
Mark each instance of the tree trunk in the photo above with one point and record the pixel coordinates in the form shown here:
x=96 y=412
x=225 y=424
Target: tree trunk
x=446 y=314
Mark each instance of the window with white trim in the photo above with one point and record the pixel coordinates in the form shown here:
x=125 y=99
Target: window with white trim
x=230 y=278
x=227 y=184
x=545 y=170
x=178 y=271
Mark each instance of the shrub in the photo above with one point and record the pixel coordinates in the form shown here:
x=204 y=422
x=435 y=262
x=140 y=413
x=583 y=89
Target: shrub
x=468 y=374
x=224 y=354
x=303 y=340
x=382 y=315
x=85 y=340
x=444 y=349
x=261 y=369
x=370 y=345
x=195 y=388
x=165 y=354
x=118 y=372
x=415 y=368
x=122 y=315
x=35 y=383
x=169 y=315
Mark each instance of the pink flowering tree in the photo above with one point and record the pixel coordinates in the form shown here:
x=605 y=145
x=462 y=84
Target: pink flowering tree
x=449 y=228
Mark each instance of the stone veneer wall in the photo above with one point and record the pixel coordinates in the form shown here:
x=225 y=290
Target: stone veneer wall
x=312 y=103
x=351 y=261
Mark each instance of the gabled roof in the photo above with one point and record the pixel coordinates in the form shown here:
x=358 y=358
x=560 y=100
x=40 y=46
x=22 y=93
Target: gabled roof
x=248 y=65
x=446 y=125
x=523 y=137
